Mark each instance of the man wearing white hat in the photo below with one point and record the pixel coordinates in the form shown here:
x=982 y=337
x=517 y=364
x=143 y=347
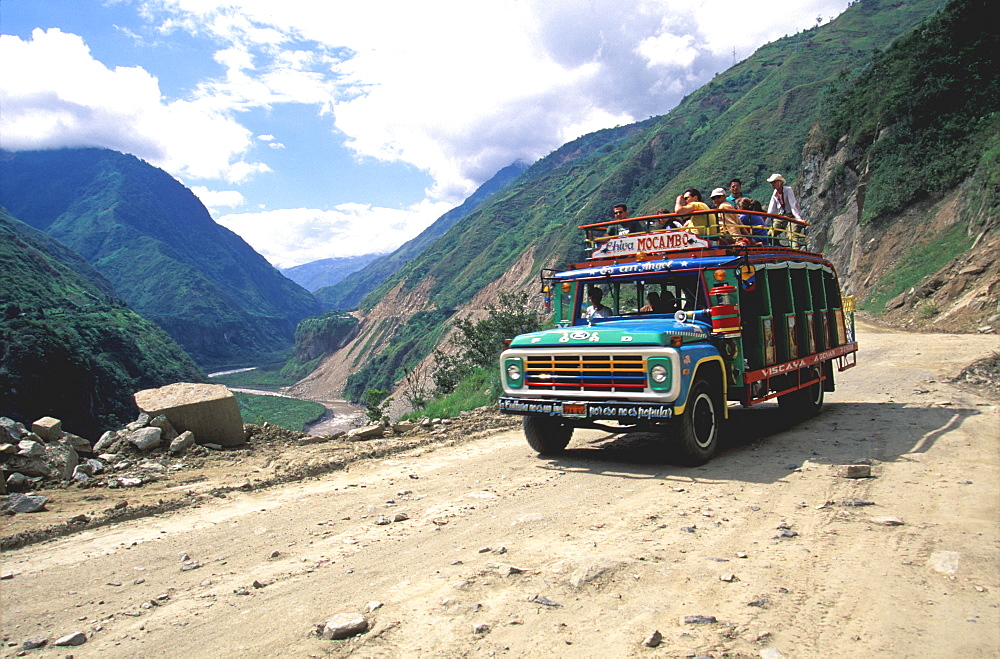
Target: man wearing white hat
x=783 y=203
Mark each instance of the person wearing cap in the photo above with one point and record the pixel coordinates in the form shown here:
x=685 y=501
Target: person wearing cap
x=783 y=202
x=728 y=222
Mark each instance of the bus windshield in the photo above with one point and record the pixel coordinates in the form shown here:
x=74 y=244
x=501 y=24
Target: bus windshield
x=646 y=296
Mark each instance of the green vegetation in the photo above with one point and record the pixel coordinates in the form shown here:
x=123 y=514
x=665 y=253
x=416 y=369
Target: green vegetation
x=376 y=402
x=415 y=339
x=918 y=115
x=480 y=343
x=68 y=348
x=478 y=388
x=316 y=337
x=154 y=241
x=925 y=257
x=267 y=377
x=279 y=411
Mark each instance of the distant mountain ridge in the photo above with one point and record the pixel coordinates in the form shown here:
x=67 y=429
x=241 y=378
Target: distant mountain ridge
x=158 y=246
x=347 y=293
x=315 y=275
x=69 y=346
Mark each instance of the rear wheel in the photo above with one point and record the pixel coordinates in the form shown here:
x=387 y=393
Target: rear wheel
x=699 y=426
x=806 y=402
x=547 y=435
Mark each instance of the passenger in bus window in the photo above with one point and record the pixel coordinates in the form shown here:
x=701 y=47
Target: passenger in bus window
x=653 y=303
x=596 y=309
x=783 y=202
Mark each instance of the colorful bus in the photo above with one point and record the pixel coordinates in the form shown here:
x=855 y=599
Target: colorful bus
x=727 y=322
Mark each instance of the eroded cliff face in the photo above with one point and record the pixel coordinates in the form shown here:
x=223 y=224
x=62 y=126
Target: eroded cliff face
x=960 y=295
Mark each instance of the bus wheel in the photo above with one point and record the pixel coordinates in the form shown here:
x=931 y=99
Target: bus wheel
x=805 y=402
x=699 y=425
x=547 y=435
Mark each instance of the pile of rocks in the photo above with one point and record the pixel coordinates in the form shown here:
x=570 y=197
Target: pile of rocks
x=47 y=453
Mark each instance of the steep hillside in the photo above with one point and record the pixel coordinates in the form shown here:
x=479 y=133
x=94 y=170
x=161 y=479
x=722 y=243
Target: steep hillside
x=749 y=121
x=903 y=175
x=349 y=292
x=157 y=245
x=69 y=347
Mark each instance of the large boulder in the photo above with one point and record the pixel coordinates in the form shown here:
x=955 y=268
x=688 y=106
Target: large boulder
x=210 y=411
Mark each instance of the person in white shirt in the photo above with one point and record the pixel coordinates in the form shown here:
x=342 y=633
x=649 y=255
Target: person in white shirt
x=783 y=203
x=596 y=309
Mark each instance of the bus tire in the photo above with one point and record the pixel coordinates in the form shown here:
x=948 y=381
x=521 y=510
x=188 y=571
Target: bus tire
x=806 y=402
x=547 y=435
x=699 y=425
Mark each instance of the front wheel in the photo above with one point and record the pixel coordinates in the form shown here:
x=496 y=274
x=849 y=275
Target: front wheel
x=547 y=435
x=699 y=426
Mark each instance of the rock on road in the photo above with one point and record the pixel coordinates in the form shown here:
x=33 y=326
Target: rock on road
x=480 y=548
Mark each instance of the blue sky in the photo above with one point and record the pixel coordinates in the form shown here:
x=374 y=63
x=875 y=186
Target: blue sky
x=322 y=128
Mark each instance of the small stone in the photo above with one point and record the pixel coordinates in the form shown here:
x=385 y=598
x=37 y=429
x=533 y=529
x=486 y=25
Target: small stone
x=274 y=554
x=373 y=606
x=771 y=653
x=383 y=520
x=34 y=643
x=888 y=521
x=856 y=471
x=484 y=550
x=507 y=570
x=689 y=529
x=257 y=584
x=653 y=639
x=699 y=620
x=538 y=599
x=729 y=577
x=414 y=476
x=76 y=638
x=857 y=503
x=400 y=517
x=344 y=625
x=762 y=602
x=481 y=628
x=26 y=503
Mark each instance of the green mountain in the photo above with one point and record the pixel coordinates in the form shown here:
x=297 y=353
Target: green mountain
x=751 y=120
x=157 y=245
x=69 y=346
x=347 y=293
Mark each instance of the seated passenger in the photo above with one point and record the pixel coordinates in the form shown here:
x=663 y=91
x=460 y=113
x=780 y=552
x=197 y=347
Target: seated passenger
x=728 y=222
x=759 y=227
x=596 y=309
x=653 y=303
x=703 y=225
x=668 y=222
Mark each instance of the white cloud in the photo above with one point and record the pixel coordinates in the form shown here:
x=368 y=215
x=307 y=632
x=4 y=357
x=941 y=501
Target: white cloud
x=295 y=236
x=60 y=96
x=215 y=199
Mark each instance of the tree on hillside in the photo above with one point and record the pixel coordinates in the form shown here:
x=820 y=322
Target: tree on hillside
x=480 y=343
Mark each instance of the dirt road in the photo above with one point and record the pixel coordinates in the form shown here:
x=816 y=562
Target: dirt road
x=585 y=555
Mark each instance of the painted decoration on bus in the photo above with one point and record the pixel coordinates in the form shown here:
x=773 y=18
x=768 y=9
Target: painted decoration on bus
x=767 y=331
x=793 y=340
x=654 y=242
x=810 y=332
x=748 y=278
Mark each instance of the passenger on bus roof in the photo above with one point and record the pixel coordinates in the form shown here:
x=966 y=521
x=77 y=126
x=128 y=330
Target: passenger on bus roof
x=596 y=309
x=735 y=191
x=728 y=222
x=783 y=202
x=758 y=226
x=703 y=225
x=669 y=222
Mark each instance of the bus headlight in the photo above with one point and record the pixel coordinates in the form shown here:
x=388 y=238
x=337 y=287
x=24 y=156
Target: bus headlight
x=513 y=368
x=659 y=372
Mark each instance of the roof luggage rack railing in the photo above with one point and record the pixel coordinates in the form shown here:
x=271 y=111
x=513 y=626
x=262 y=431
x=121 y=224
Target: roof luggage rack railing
x=776 y=231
